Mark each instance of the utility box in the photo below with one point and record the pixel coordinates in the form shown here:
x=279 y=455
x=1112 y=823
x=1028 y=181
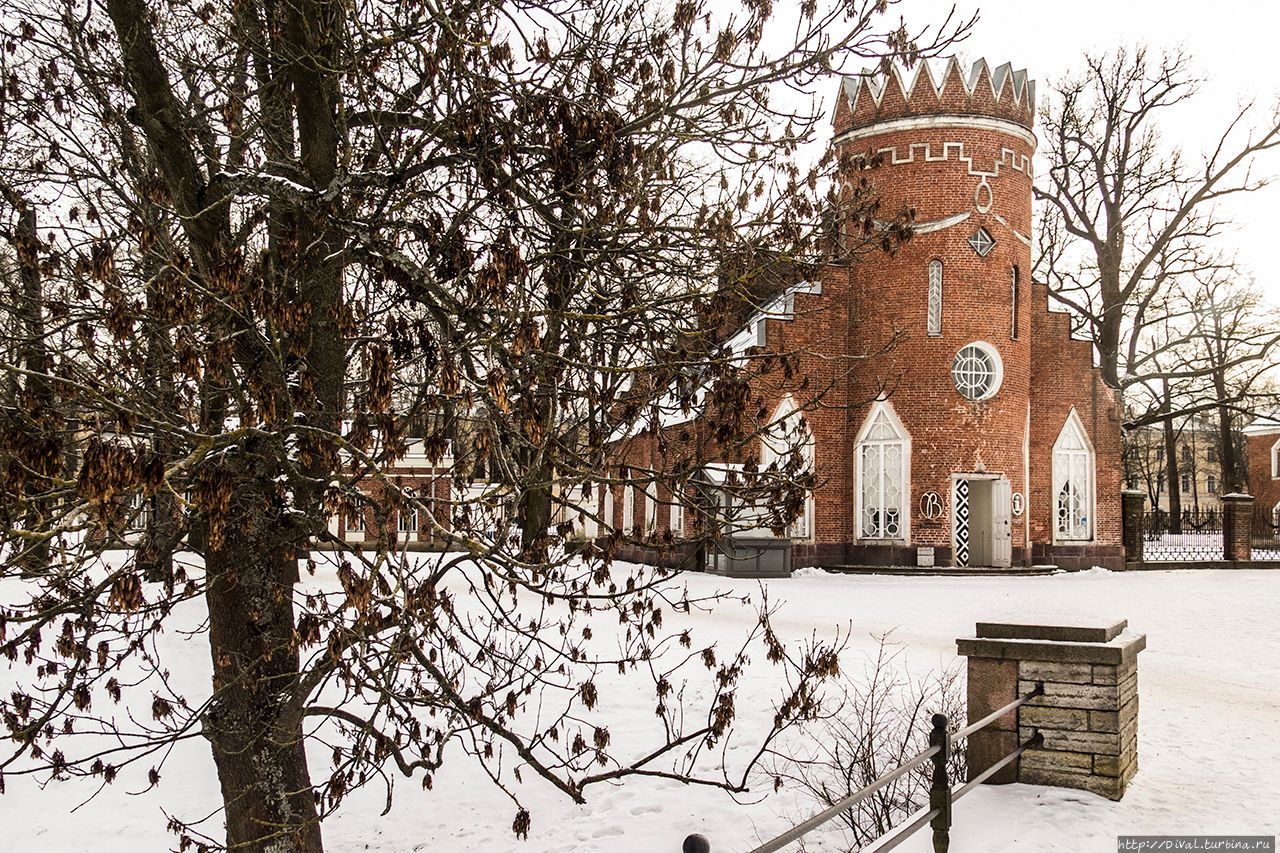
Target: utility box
x=750 y=557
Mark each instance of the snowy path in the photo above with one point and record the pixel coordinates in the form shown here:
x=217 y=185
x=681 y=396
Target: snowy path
x=1208 y=753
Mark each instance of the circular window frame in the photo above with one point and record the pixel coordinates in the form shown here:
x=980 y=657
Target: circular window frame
x=997 y=371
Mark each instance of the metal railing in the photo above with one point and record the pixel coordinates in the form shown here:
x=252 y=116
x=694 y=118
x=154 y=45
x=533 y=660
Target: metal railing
x=941 y=796
x=1188 y=535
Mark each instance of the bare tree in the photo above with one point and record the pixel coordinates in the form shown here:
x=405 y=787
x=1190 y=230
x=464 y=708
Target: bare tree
x=278 y=238
x=1126 y=214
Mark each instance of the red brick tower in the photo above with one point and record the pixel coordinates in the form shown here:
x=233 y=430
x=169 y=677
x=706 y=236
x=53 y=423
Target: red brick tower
x=951 y=311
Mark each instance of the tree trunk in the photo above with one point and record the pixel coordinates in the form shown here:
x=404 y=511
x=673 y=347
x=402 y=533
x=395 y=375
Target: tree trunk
x=255 y=721
x=38 y=399
x=1171 y=467
x=1231 y=480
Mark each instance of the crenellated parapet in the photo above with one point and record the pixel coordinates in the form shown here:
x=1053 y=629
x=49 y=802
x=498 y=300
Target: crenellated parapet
x=875 y=97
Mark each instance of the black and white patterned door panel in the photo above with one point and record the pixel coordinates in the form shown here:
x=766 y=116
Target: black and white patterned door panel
x=962 y=522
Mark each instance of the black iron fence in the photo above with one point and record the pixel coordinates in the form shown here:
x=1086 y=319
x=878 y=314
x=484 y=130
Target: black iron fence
x=1188 y=535
x=1266 y=538
x=941 y=794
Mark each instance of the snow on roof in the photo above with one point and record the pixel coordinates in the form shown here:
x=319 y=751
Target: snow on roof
x=1264 y=425
x=671 y=412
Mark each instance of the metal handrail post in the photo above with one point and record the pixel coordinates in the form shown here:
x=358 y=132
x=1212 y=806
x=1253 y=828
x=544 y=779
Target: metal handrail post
x=940 y=791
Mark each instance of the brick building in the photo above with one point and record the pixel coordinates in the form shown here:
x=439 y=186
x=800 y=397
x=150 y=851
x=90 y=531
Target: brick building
x=1263 y=443
x=974 y=423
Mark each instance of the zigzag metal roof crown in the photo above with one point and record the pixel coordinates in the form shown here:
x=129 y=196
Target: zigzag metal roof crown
x=876 y=96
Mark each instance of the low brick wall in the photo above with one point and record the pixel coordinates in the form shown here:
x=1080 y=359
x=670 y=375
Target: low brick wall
x=1087 y=715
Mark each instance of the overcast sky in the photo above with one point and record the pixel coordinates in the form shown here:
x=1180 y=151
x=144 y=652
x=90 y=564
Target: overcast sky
x=1233 y=44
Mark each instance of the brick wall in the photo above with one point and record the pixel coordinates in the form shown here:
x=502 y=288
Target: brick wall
x=1264 y=488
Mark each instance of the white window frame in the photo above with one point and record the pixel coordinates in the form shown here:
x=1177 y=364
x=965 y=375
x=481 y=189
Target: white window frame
x=905 y=439
x=802 y=528
x=1275 y=460
x=1073 y=422
x=650 y=506
x=606 y=508
x=676 y=521
x=933 y=300
x=354 y=524
x=997 y=367
x=407 y=513
x=628 y=509
x=1015 y=285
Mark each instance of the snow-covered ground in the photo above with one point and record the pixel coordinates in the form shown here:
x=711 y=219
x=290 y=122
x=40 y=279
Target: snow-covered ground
x=1208 y=751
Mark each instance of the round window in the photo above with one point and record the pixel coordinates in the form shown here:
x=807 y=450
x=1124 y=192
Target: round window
x=977 y=371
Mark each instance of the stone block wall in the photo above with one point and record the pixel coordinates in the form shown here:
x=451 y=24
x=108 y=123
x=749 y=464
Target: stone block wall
x=1087 y=713
x=1088 y=717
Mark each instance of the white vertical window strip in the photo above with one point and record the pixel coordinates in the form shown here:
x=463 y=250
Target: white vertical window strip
x=650 y=511
x=677 y=516
x=881 y=454
x=407 y=520
x=606 y=508
x=1014 y=284
x=786 y=434
x=628 y=509
x=355 y=521
x=935 y=299
x=1073 y=483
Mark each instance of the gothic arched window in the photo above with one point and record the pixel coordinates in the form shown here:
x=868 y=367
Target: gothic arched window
x=789 y=450
x=883 y=452
x=1073 y=482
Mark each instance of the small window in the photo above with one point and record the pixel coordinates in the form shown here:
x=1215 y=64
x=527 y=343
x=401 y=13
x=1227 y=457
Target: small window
x=677 y=516
x=1211 y=454
x=355 y=521
x=1275 y=461
x=407 y=519
x=1013 y=304
x=1186 y=483
x=934 y=323
x=628 y=509
x=982 y=242
x=977 y=371
x=1211 y=484
x=1186 y=453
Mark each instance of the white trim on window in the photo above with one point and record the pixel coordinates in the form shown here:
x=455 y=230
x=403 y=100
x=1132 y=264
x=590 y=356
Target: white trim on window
x=628 y=509
x=677 y=516
x=977 y=371
x=606 y=508
x=882 y=474
x=933 y=323
x=1275 y=460
x=407 y=519
x=354 y=524
x=788 y=432
x=1074 y=483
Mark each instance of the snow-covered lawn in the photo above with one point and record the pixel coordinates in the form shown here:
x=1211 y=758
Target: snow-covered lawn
x=1209 y=684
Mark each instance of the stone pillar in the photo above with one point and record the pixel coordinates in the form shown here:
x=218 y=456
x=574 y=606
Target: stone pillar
x=1088 y=714
x=1133 y=502
x=1237 y=527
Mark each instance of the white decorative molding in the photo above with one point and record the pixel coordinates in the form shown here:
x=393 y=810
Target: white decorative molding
x=1023 y=238
x=938 y=224
x=979 y=203
x=1009 y=159
x=937 y=122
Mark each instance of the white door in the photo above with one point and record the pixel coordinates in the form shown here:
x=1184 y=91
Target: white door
x=1001 y=525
